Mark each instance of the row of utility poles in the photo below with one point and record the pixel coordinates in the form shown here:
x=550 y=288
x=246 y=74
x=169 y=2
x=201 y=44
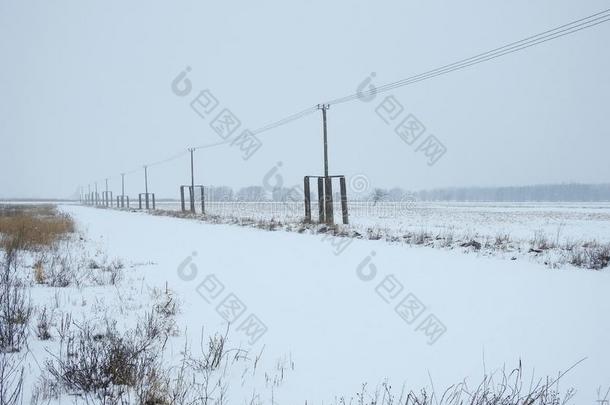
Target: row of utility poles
x=147 y=200
x=122 y=201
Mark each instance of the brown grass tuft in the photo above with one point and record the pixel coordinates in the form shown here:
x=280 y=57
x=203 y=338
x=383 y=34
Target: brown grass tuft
x=39 y=275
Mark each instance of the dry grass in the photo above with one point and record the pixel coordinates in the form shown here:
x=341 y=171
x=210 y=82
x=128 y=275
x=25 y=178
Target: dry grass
x=501 y=387
x=32 y=227
x=11 y=379
x=15 y=306
x=39 y=275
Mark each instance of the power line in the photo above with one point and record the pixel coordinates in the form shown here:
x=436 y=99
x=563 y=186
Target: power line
x=159 y=162
x=285 y=121
x=265 y=128
x=211 y=145
x=537 y=39
x=563 y=30
x=169 y=159
x=516 y=46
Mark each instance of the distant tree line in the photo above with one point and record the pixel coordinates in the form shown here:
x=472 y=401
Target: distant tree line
x=571 y=192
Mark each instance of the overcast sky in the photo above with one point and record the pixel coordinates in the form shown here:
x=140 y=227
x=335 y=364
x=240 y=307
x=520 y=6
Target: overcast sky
x=85 y=92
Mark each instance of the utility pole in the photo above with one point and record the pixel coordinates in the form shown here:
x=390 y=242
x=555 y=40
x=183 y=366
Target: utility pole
x=192 y=193
x=122 y=190
x=328 y=187
x=96 y=197
x=106 y=193
x=146 y=184
x=325 y=107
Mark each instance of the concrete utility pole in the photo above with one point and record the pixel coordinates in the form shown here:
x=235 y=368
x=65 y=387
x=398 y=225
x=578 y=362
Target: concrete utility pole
x=192 y=193
x=328 y=187
x=122 y=190
x=146 y=184
x=325 y=107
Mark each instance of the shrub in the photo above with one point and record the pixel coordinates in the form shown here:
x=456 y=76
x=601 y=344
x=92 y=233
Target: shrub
x=39 y=276
x=43 y=325
x=11 y=379
x=63 y=326
x=500 y=388
x=591 y=255
x=542 y=242
x=102 y=364
x=14 y=317
x=61 y=271
x=15 y=307
x=104 y=273
x=419 y=238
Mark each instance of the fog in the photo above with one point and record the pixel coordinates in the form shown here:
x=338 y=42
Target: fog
x=86 y=93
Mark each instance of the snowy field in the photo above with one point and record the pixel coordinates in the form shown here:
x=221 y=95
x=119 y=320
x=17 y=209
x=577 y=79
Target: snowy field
x=521 y=221
x=329 y=323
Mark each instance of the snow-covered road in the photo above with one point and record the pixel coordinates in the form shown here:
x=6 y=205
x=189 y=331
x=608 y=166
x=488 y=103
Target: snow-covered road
x=371 y=312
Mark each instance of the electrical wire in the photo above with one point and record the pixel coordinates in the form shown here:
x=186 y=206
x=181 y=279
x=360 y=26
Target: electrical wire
x=516 y=46
x=285 y=121
x=533 y=40
x=169 y=159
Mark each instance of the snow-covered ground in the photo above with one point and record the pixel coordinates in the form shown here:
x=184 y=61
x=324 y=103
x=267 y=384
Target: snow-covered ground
x=372 y=313
x=559 y=222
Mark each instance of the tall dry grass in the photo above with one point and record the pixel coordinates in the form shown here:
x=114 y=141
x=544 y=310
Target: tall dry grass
x=25 y=227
